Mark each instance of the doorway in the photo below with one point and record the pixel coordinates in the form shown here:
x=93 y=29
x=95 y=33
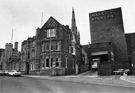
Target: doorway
x=27 y=68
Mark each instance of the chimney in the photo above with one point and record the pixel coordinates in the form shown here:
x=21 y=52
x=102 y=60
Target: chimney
x=16 y=46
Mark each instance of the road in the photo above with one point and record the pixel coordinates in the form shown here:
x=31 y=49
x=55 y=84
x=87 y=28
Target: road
x=34 y=85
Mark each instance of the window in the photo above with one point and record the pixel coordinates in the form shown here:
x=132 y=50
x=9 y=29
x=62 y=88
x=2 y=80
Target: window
x=51 y=61
x=47 y=62
x=43 y=47
x=48 y=33
x=31 y=66
x=56 y=46
x=22 y=67
x=59 y=45
x=57 y=62
x=52 y=47
x=33 y=54
x=70 y=49
x=47 y=46
x=43 y=65
x=73 y=50
x=33 y=44
x=28 y=55
x=51 y=33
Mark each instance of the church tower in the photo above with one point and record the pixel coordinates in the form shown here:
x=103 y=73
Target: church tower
x=74 y=32
x=73 y=24
x=75 y=42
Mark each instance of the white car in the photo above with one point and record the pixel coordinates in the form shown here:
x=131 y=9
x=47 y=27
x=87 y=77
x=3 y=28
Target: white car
x=14 y=73
x=94 y=65
x=6 y=72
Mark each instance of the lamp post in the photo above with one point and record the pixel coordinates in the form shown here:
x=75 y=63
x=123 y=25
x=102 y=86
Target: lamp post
x=50 y=51
x=66 y=57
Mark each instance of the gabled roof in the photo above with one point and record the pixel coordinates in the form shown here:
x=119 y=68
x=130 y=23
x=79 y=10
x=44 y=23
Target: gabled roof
x=51 y=22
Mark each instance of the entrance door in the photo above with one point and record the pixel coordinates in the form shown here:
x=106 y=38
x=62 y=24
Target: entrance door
x=27 y=68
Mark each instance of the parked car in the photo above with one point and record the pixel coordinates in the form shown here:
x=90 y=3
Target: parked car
x=14 y=73
x=94 y=65
x=1 y=73
x=6 y=72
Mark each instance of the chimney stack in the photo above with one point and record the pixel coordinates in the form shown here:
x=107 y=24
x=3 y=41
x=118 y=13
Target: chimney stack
x=16 y=46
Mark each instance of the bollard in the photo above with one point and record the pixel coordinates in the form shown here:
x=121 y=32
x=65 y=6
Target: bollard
x=125 y=75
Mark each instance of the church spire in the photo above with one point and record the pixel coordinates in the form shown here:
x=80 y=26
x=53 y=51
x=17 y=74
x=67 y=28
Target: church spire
x=73 y=23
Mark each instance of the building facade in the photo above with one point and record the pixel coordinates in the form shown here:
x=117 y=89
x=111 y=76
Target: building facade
x=54 y=50
x=29 y=58
x=107 y=26
x=108 y=42
x=10 y=57
x=130 y=38
x=14 y=59
x=1 y=58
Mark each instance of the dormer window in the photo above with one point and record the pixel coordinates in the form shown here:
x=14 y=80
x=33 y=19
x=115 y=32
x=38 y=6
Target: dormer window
x=33 y=44
x=51 y=33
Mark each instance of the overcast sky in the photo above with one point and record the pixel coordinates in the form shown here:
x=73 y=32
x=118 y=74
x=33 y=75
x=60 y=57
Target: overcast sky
x=23 y=15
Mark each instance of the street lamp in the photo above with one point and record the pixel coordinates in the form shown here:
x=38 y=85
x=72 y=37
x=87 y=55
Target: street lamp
x=50 y=51
x=66 y=57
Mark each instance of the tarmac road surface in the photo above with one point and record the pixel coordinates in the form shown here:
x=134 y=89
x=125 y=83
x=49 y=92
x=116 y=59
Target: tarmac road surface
x=35 y=85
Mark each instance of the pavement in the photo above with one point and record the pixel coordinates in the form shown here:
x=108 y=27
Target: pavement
x=112 y=80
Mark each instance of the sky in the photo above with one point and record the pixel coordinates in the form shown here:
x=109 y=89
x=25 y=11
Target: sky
x=22 y=16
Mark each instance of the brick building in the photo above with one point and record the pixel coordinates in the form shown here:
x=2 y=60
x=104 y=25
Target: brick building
x=30 y=55
x=1 y=58
x=130 y=38
x=54 y=50
x=14 y=59
x=106 y=28
x=10 y=57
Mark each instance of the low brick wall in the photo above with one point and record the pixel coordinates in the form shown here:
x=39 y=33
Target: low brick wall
x=84 y=68
x=107 y=68
x=69 y=71
x=34 y=72
x=45 y=72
